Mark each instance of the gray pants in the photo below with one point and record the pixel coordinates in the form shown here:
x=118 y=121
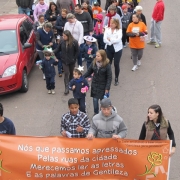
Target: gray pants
x=136 y=55
x=155 y=31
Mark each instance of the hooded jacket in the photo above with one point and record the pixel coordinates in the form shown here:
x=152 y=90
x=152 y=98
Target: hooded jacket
x=25 y=3
x=40 y=10
x=106 y=127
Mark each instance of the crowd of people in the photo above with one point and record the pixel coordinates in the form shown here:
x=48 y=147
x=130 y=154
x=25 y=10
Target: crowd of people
x=69 y=32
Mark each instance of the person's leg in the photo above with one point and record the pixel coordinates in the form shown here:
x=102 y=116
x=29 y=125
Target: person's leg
x=134 y=53
x=48 y=85
x=52 y=82
x=152 y=38
x=59 y=67
x=140 y=53
x=80 y=55
x=20 y=10
x=27 y=11
x=157 y=30
x=96 y=105
x=66 y=78
x=82 y=106
x=110 y=53
x=124 y=37
x=71 y=69
x=117 y=58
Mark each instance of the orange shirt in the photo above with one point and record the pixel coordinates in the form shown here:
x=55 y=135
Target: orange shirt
x=134 y=42
x=96 y=10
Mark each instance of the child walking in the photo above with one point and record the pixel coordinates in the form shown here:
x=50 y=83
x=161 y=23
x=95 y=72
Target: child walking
x=125 y=23
x=58 y=55
x=79 y=86
x=101 y=81
x=74 y=124
x=96 y=10
x=89 y=49
x=48 y=68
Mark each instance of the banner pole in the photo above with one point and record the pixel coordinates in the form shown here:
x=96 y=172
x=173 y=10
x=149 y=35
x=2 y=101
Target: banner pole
x=169 y=162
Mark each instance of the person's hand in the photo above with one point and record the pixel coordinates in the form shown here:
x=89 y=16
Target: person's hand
x=50 y=16
x=106 y=91
x=79 y=129
x=56 y=60
x=108 y=39
x=137 y=34
x=90 y=136
x=173 y=149
x=64 y=133
x=73 y=87
x=115 y=136
x=50 y=44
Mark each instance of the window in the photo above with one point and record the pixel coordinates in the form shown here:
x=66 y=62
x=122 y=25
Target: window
x=23 y=35
x=8 y=43
x=28 y=26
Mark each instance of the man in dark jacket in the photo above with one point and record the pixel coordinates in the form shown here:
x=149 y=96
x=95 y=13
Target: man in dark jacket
x=86 y=20
x=24 y=6
x=60 y=23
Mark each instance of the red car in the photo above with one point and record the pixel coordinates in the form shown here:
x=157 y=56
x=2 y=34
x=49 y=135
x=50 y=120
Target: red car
x=17 y=52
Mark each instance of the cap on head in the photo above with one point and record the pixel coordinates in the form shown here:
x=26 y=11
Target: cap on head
x=124 y=6
x=96 y=3
x=105 y=103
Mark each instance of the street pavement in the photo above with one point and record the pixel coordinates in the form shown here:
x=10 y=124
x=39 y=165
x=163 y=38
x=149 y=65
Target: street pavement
x=36 y=113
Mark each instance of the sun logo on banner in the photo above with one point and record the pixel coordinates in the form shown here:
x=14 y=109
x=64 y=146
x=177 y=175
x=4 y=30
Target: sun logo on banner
x=155 y=159
x=1 y=166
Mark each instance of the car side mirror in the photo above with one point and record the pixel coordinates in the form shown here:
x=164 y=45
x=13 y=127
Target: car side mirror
x=27 y=45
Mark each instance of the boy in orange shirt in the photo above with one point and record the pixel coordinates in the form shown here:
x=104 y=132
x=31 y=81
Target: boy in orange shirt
x=96 y=10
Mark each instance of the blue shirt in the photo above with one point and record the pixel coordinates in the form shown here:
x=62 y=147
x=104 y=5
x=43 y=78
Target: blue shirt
x=7 y=127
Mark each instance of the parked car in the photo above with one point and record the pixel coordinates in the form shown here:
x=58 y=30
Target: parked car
x=17 y=52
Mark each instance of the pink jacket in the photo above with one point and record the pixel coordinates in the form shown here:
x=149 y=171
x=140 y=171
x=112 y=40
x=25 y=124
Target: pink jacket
x=96 y=29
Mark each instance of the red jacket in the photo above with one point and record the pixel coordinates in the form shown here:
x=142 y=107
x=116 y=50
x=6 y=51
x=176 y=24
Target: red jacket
x=158 y=12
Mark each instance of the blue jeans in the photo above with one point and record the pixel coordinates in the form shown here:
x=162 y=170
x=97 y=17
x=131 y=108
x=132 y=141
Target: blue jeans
x=96 y=105
x=24 y=11
x=80 y=55
x=59 y=66
x=50 y=83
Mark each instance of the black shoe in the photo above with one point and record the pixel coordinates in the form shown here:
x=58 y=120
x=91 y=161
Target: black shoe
x=116 y=82
x=66 y=92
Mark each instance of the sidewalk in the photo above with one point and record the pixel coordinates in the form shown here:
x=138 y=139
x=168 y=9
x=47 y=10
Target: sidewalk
x=8 y=7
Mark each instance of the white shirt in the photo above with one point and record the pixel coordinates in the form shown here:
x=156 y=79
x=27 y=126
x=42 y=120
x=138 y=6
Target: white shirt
x=76 y=30
x=115 y=38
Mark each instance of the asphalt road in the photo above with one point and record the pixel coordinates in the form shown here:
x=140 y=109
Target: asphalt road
x=36 y=113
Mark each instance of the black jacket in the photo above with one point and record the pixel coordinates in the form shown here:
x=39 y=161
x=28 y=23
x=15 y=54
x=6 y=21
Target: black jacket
x=48 y=67
x=60 y=23
x=143 y=18
x=68 y=54
x=101 y=80
x=100 y=40
x=49 y=13
x=79 y=83
x=25 y=3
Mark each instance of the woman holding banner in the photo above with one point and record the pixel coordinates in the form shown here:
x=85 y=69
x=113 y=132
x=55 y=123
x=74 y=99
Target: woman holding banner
x=157 y=127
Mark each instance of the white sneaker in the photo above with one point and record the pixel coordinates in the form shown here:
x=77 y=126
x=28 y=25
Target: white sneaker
x=139 y=62
x=53 y=92
x=44 y=77
x=135 y=67
x=49 y=91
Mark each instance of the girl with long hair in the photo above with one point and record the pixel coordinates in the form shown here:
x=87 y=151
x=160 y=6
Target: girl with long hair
x=69 y=49
x=101 y=80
